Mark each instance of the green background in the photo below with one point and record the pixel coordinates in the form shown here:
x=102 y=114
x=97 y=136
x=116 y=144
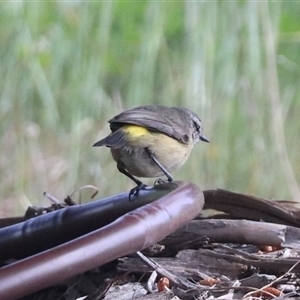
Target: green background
x=68 y=67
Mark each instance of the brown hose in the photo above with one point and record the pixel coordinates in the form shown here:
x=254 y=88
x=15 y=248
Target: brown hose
x=132 y=232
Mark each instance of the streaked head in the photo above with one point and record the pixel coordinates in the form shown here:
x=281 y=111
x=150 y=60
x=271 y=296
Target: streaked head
x=195 y=125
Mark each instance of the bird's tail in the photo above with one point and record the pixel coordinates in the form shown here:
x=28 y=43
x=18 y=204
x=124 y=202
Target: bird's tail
x=115 y=140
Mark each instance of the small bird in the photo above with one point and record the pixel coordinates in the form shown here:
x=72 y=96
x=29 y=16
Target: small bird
x=152 y=140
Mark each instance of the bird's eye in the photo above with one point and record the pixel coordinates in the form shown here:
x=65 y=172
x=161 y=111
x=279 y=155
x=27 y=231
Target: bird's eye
x=196 y=125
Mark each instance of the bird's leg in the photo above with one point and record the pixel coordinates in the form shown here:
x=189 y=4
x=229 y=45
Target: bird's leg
x=139 y=186
x=151 y=155
x=122 y=169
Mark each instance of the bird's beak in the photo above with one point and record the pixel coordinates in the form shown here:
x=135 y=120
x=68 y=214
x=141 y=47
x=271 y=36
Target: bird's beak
x=204 y=139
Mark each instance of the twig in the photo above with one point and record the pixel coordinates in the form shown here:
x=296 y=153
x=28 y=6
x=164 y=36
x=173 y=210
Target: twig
x=271 y=283
x=179 y=281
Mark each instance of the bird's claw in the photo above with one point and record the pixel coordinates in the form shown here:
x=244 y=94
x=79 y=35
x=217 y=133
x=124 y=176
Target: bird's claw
x=160 y=181
x=135 y=191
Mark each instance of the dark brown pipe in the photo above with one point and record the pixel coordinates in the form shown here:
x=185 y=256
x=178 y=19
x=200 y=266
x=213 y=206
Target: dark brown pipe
x=52 y=229
x=132 y=232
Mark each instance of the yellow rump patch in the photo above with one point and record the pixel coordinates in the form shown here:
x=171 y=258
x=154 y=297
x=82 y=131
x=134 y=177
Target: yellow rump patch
x=135 y=131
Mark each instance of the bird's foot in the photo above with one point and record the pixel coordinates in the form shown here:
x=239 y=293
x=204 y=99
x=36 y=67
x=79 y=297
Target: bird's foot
x=159 y=181
x=135 y=191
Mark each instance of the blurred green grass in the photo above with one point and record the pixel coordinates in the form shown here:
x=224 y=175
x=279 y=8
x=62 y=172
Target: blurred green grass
x=67 y=67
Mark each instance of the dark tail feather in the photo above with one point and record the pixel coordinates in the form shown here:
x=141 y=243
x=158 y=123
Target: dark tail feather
x=115 y=140
x=100 y=143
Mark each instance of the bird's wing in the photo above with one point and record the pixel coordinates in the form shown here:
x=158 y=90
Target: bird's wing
x=162 y=119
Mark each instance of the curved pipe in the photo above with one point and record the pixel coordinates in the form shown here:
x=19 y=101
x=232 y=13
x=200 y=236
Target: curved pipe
x=46 y=231
x=132 y=232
